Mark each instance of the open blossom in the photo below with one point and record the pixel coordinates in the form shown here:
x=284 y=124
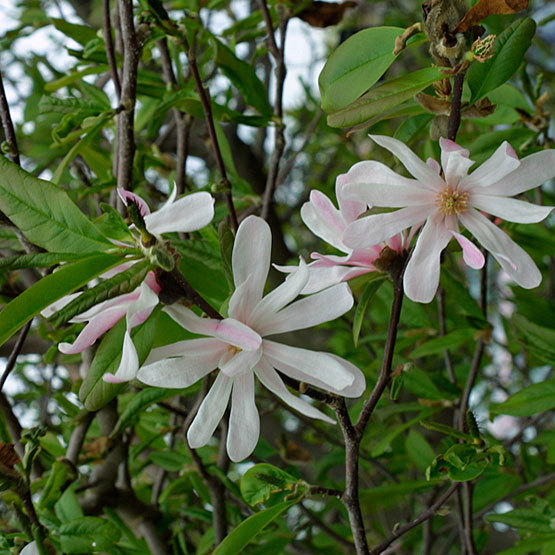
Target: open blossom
x=329 y=223
x=440 y=201
x=186 y=214
x=238 y=346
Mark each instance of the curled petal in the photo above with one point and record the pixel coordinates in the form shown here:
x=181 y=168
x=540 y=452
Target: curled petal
x=501 y=163
x=129 y=364
x=243 y=361
x=142 y=308
x=190 y=321
x=244 y=422
x=472 y=255
x=511 y=209
x=454 y=160
x=323 y=219
x=127 y=196
x=350 y=209
x=370 y=171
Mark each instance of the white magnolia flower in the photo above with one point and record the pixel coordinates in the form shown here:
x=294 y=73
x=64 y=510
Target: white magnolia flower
x=327 y=222
x=441 y=200
x=238 y=346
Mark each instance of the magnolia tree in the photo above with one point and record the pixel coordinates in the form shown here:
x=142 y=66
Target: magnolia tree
x=182 y=373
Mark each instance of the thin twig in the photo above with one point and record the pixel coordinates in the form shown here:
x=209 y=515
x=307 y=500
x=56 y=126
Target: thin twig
x=455 y=114
x=10 y=364
x=78 y=437
x=7 y=125
x=443 y=331
x=110 y=54
x=319 y=523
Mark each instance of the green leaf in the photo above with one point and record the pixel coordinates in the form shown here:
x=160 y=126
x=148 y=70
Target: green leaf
x=370 y=290
x=79 y=33
x=49 y=104
x=538 y=339
x=61 y=475
x=381 y=493
x=139 y=403
x=95 y=392
x=45 y=214
x=263 y=480
x=36 y=260
x=447 y=430
x=524 y=519
x=226 y=238
x=121 y=283
x=510 y=47
x=531 y=400
x=544 y=544
x=65 y=280
x=243 y=76
x=419 y=450
x=449 y=341
x=245 y=533
x=355 y=65
x=384 y=97
x=88 y=534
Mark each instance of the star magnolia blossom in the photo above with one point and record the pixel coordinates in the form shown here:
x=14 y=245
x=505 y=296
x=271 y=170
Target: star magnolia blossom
x=186 y=214
x=237 y=346
x=440 y=201
x=329 y=223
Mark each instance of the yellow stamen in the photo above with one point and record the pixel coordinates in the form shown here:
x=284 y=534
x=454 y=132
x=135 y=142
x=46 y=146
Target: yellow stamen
x=451 y=202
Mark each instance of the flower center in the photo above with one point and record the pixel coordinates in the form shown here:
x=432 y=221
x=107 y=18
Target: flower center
x=451 y=202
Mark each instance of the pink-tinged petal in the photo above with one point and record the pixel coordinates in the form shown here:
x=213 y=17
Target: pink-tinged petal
x=350 y=209
x=189 y=213
x=129 y=364
x=456 y=169
x=239 y=302
x=152 y=282
x=532 y=172
x=324 y=277
x=190 y=321
x=210 y=412
x=244 y=422
x=370 y=171
x=270 y=380
x=93 y=330
x=472 y=255
x=51 y=309
x=117 y=270
x=513 y=259
x=450 y=148
x=204 y=352
x=329 y=259
x=237 y=334
x=251 y=259
x=372 y=230
x=315 y=364
x=324 y=220
x=416 y=167
x=502 y=162
x=139 y=310
x=280 y=297
x=434 y=164
x=243 y=361
x=422 y=272
x=377 y=194
x=511 y=209
x=310 y=311
x=127 y=196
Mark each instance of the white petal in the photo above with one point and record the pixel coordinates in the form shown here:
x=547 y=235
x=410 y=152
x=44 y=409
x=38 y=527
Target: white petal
x=190 y=321
x=244 y=422
x=377 y=194
x=422 y=271
x=533 y=171
x=313 y=310
x=193 y=359
x=243 y=361
x=270 y=380
x=315 y=364
x=513 y=259
x=129 y=364
x=138 y=311
x=511 y=209
x=265 y=310
x=370 y=171
x=501 y=163
x=238 y=334
x=30 y=549
x=251 y=259
x=322 y=277
x=51 y=309
x=239 y=306
x=455 y=162
x=210 y=412
x=374 y=229
x=324 y=219
x=419 y=169
x=350 y=209
x=189 y=213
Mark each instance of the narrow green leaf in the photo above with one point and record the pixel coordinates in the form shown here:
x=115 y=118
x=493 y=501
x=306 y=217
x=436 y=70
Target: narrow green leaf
x=79 y=33
x=524 y=519
x=541 y=543
x=263 y=480
x=95 y=392
x=447 y=430
x=36 y=260
x=121 y=283
x=384 y=97
x=355 y=65
x=449 y=341
x=531 y=400
x=381 y=493
x=61 y=475
x=75 y=76
x=539 y=339
x=65 y=280
x=49 y=104
x=226 y=247
x=510 y=47
x=45 y=214
x=88 y=534
x=419 y=450
x=245 y=533
x=369 y=291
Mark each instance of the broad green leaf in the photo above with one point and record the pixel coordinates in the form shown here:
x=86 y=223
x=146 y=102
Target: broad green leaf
x=541 y=543
x=538 y=339
x=243 y=76
x=67 y=507
x=45 y=214
x=49 y=104
x=384 y=97
x=122 y=282
x=369 y=291
x=95 y=392
x=88 y=534
x=510 y=47
x=449 y=341
x=420 y=383
x=245 y=533
x=531 y=400
x=79 y=33
x=139 y=403
x=524 y=519
x=493 y=485
x=263 y=480
x=36 y=260
x=458 y=293
x=355 y=65
x=419 y=450
x=65 y=280
x=168 y=460
x=61 y=475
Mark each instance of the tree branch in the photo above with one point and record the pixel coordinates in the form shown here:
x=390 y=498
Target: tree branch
x=110 y=54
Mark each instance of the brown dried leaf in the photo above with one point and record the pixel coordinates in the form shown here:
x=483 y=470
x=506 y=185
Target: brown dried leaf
x=485 y=8
x=8 y=456
x=481 y=109
x=324 y=14
x=433 y=104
